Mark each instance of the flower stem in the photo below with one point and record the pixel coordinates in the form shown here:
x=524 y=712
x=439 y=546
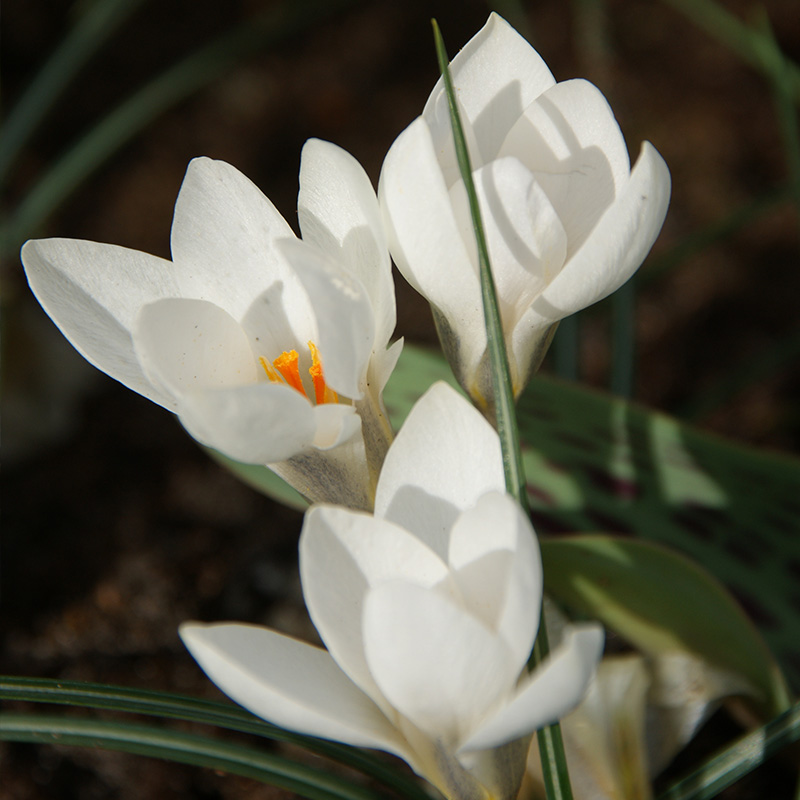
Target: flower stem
x=551 y=745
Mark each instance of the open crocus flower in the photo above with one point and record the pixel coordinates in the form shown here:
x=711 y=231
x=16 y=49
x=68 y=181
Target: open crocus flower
x=428 y=610
x=270 y=349
x=567 y=220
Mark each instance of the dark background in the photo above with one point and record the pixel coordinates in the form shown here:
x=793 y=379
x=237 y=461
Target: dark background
x=116 y=527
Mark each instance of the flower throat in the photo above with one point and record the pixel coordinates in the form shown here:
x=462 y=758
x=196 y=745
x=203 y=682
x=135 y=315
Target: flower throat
x=286 y=369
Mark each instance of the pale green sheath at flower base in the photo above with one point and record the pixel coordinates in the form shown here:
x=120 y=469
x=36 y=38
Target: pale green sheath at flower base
x=272 y=350
x=567 y=220
x=428 y=610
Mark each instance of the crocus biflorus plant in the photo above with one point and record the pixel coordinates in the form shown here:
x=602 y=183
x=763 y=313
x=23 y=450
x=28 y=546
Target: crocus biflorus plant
x=271 y=349
x=428 y=610
x=567 y=220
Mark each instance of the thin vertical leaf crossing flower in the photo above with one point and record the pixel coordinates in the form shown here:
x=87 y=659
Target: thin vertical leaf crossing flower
x=271 y=349
x=567 y=220
x=428 y=610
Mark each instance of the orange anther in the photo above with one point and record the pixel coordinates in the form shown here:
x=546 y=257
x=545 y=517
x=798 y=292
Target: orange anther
x=286 y=364
x=322 y=392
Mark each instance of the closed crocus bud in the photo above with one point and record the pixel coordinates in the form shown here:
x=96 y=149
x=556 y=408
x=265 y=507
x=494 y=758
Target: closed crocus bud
x=269 y=348
x=567 y=220
x=428 y=611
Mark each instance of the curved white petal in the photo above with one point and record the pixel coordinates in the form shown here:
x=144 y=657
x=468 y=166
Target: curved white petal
x=425 y=240
x=336 y=423
x=339 y=214
x=445 y=456
x=185 y=345
x=383 y=364
x=555 y=688
x=436 y=664
x=494 y=554
x=342 y=554
x=93 y=293
x=289 y=683
x=223 y=236
x=344 y=315
x=497 y=74
x=527 y=243
x=570 y=140
x=615 y=248
x=257 y=424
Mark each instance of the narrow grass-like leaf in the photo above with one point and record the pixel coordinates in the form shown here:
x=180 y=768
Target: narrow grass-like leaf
x=749 y=44
x=779 y=70
x=184 y=748
x=551 y=745
x=134 y=114
x=503 y=401
x=736 y=760
x=92 y=29
x=208 y=712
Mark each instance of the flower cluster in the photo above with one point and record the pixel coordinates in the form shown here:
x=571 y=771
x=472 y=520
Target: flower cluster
x=425 y=581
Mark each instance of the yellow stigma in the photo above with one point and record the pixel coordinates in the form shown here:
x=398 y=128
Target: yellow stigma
x=285 y=369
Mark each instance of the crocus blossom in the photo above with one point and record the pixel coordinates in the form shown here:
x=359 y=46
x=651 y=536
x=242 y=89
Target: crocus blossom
x=428 y=610
x=567 y=220
x=270 y=349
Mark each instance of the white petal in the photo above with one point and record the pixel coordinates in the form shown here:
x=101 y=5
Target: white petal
x=437 y=115
x=289 y=683
x=444 y=458
x=383 y=364
x=185 y=345
x=496 y=75
x=345 y=325
x=554 y=689
x=342 y=554
x=256 y=424
x=93 y=292
x=435 y=663
x=494 y=554
x=339 y=213
x=223 y=236
x=336 y=423
x=425 y=240
x=527 y=244
x=572 y=143
x=615 y=248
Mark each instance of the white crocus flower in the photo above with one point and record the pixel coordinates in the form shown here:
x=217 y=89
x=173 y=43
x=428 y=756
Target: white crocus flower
x=428 y=610
x=567 y=220
x=270 y=349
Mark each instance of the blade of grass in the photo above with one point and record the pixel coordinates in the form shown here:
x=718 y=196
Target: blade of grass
x=184 y=748
x=91 y=30
x=138 y=111
x=551 y=745
x=501 y=378
x=208 y=712
x=750 y=45
x=779 y=70
x=736 y=760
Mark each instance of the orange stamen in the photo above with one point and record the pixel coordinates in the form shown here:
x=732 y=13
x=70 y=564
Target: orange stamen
x=272 y=374
x=322 y=392
x=286 y=364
